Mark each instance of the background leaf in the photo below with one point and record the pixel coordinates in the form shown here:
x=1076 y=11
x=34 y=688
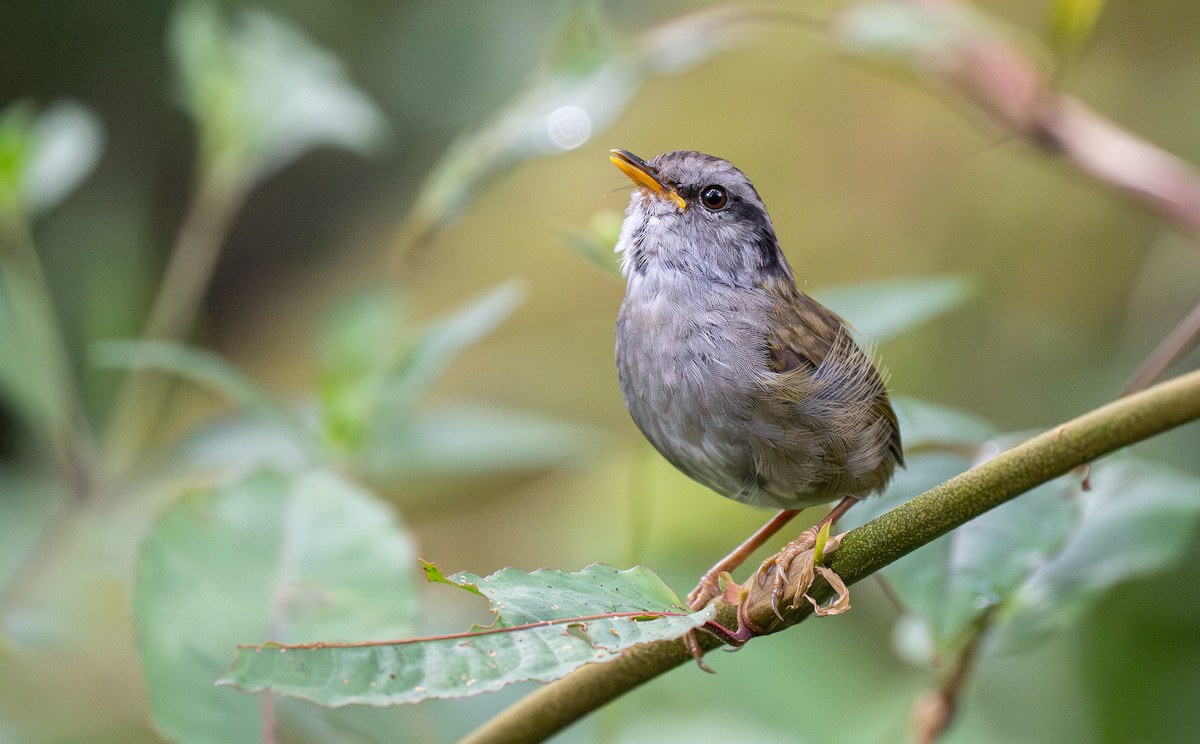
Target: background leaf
x=373 y=371
x=303 y=558
x=44 y=156
x=597 y=243
x=198 y=365
x=262 y=93
x=1072 y=22
x=1137 y=519
x=880 y=310
x=32 y=377
x=927 y=425
x=443 y=340
x=66 y=145
x=465 y=439
x=920 y=34
x=239 y=443
x=579 y=94
x=461 y=666
x=361 y=342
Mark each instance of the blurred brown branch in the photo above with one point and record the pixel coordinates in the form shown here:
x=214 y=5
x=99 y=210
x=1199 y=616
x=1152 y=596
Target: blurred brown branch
x=987 y=70
x=975 y=62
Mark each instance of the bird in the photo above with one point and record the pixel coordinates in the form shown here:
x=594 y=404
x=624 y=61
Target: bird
x=738 y=378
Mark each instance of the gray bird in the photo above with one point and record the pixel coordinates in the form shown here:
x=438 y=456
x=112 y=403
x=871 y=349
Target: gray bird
x=738 y=378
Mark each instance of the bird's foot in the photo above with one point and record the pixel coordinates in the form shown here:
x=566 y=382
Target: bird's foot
x=792 y=571
x=708 y=589
x=692 y=643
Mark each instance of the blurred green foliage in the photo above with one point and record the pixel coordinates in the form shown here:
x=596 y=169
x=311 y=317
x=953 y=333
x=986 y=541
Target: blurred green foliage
x=345 y=380
x=1072 y=23
x=296 y=557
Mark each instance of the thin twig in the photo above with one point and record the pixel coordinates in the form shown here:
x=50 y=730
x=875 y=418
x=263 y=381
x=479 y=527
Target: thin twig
x=65 y=420
x=1183 y=337
x=935 y=712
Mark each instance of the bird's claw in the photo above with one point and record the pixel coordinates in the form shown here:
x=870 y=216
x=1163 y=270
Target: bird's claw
x=708 y=588
x=692 y=644
x=778 y=570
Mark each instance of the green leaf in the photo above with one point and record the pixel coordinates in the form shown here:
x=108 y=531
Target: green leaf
x=32 y=373
x=41 y=158
x=263 y=94
x=67 y=142
x=578 y=95
x=372 y=374
x=1138 y=519
x=44 y=157
x=243 y=441
x=927 y=425
x=560 y=109
x=460 y=438
x=443 y=340
x=881 y=310
x=1072 y=22
x=360 y=343
x=198 y=365
x=286 y=442
x=16 y=133
x=302 y=558
x=914 y=34
x=583 y=42
x=519 y=598
x=434 y=575
x=362 y=334
x=965 y=575
x=597 y=243
x=954 y=581
x=547 y=624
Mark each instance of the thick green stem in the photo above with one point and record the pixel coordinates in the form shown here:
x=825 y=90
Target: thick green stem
x=171 y=317
x=869 y=548
x=942 y=508
x=52 y=392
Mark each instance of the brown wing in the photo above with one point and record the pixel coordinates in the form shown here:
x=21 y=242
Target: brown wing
x=804 y=333
x=813 y=341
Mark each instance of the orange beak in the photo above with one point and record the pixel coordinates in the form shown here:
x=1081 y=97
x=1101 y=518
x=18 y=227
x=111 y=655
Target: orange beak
x=644 y=178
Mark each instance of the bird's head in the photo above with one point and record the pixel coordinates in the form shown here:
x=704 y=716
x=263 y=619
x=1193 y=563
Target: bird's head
x=696 y=214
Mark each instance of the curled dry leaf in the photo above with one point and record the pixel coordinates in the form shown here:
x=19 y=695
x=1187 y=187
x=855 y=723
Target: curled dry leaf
x=792 y=571
x=841 y=599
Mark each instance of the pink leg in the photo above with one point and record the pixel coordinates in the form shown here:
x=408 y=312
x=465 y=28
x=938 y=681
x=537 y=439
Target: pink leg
x=709 y=585
x=782 y=561
x=838 y=511
x=708 y=588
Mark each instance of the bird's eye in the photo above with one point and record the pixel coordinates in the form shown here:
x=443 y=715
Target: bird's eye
x=713 y=197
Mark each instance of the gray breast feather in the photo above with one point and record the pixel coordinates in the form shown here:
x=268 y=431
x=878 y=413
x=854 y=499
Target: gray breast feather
x=713 y=410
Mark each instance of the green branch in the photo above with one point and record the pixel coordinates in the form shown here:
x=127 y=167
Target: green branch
x=187 y=276
x=869 y=548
